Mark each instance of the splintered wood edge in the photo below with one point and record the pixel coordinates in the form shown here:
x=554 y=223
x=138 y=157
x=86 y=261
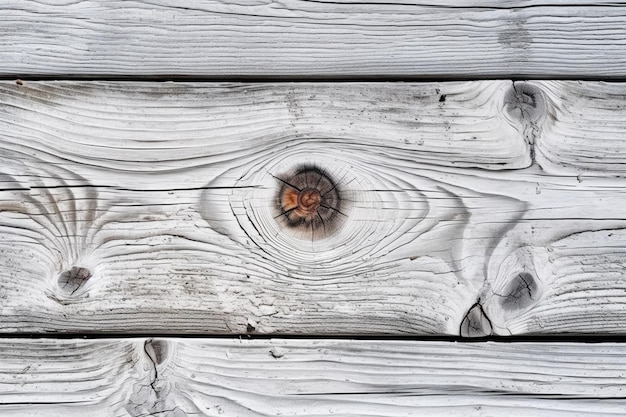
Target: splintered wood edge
x=186 y=377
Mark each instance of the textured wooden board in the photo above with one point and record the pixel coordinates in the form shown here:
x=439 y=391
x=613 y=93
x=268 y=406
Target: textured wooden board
x=194 y=377
x=151 y=207
x=226 y=38
x=587 y=133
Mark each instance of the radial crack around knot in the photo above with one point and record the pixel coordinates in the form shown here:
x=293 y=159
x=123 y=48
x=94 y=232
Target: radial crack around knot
x=310 y=201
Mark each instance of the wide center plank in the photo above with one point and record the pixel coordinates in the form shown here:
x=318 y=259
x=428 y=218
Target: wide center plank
x=462 y=208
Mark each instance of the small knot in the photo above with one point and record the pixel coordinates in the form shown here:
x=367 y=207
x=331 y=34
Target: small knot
x=157 y=350
x=525 y=101
x=476 y=323
x=72 y=280
x=520 y=293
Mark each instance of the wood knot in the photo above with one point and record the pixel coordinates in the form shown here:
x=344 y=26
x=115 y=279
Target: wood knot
x=157 y=350
x=476 y=323
x=72 y=280
x=525 y=101
x=520 y=293
x=309 y=200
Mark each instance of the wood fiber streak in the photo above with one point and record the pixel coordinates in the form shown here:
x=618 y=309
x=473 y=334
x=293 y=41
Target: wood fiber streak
x=292 y=38
x=588 y=136
x=65 y=378
x=153 y=207
x=194 y=377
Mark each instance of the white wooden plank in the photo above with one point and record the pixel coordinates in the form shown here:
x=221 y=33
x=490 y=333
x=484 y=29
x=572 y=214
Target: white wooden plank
x=45 y=377
x=174 y=377
x=291 y=38
x=587 y=135
x=149 y=207
x=580 y=286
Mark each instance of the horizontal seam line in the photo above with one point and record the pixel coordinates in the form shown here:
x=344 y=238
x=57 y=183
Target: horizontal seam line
x=309 y=79
x=618 y=338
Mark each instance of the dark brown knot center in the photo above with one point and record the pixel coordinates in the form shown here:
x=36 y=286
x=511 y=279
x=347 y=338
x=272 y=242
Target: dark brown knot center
x=309 y=200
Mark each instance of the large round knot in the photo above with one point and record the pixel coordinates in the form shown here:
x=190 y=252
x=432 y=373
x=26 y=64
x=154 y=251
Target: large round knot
x=309 y=200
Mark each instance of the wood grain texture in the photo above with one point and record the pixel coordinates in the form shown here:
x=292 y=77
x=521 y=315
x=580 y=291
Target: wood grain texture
x=292 y=38
x=152 y=207
x=587 y=136
x=45 y=377
x=194 y=377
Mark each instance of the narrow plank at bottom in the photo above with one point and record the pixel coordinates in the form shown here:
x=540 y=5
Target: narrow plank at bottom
x=233 y=377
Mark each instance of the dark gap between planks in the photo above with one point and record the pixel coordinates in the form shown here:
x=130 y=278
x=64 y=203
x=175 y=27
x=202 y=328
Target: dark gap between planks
x=582 y=338
x=302 y=78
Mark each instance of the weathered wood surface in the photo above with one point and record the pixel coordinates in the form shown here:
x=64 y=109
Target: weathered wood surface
x=469 y=208
x=237 y=378
x=291 y=38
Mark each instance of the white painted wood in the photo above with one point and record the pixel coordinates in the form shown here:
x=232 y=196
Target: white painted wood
x=152 y=207
x=190 y=377
x=46 y=377
x=211 y=38
x=587 y=136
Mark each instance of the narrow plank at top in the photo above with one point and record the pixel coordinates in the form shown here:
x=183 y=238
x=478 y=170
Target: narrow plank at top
x=261 y=38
